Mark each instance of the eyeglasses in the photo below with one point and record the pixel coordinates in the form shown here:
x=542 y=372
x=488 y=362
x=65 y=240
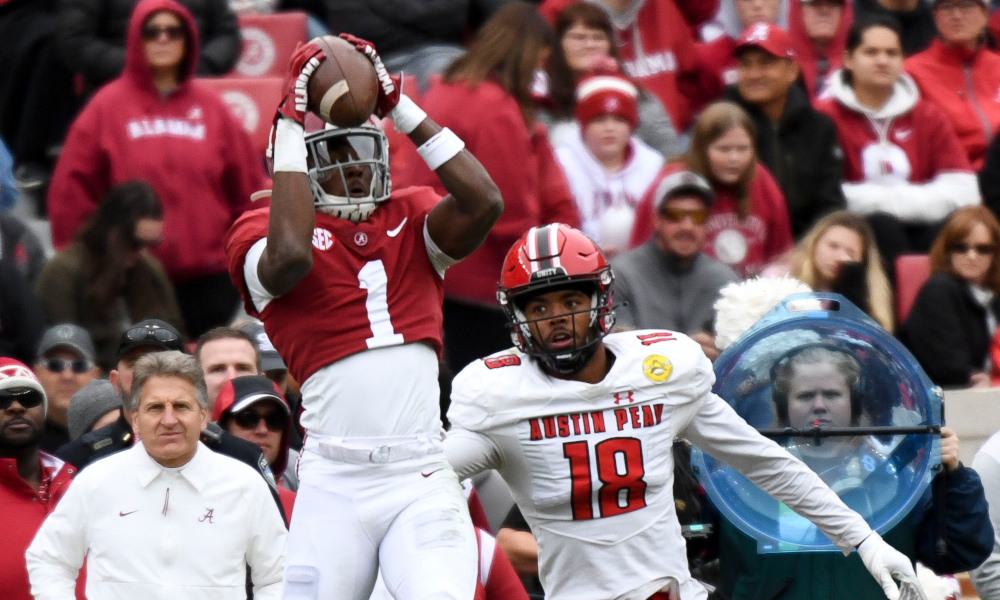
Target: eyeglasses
x=27 y=399
x=676 y=215
x=275 y=420
x=173 y=32
x=981 y=249
x=58 y=365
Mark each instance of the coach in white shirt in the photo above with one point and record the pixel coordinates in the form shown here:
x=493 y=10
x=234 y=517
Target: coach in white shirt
x=167 y=518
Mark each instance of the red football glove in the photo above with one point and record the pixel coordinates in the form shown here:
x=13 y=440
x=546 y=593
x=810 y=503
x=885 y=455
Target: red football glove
x=303 y=63
x=389 y=87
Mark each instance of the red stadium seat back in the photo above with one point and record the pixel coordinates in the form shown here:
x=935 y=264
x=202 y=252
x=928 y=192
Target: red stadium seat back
x=252 y=102
x=268 y=43
x=912 y=270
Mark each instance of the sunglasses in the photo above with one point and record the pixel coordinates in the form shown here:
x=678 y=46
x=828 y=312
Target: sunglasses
x=173 y=32
x=275 y=420
x=144 y=333
x=981 y=249
x=676 y=215
x=27 y=399
x=58 y=365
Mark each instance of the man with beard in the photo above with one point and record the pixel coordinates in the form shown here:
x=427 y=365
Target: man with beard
x=669 y=283
x=31 y=481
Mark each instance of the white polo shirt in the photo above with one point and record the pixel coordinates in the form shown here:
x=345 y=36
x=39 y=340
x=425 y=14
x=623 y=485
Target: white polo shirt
x=153 y=532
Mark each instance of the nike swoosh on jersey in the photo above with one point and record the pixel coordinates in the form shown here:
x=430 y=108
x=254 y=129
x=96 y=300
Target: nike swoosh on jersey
x=125 y=514
x=395 y=232
x=429 y=474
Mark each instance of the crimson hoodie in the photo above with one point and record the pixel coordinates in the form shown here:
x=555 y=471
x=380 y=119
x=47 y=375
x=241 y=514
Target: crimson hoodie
x=746 y=245
x=186 y=145
x=807 y=55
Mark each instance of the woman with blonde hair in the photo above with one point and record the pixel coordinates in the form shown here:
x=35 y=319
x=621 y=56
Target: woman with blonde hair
x=955 y=314
x=747 y=225
x=839 y=254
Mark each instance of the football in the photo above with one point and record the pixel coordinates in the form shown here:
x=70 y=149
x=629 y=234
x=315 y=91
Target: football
x=344 y=88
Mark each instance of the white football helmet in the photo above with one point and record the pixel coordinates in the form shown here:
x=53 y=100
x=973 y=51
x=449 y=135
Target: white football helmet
x=348 y=170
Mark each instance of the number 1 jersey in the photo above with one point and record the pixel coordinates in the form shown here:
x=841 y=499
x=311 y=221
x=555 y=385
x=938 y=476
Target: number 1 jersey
x=372 y=285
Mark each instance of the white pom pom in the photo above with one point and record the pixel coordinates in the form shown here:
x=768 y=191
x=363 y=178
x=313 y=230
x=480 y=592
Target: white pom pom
x=742 y=304
x=615 y=228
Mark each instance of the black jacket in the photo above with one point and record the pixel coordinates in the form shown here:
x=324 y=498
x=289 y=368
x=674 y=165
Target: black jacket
x=946 y=330
x=802 y=154
x=118 y=436
x=91 y=36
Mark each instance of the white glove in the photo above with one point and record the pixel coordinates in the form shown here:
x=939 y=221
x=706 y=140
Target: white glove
x=885 y=563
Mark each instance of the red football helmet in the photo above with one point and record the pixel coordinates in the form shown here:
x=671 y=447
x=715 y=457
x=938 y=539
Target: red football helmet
x=546 y=259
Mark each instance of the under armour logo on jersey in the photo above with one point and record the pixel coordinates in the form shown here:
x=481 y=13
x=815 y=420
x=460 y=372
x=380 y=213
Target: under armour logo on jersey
x=322 y=239
x=624 y=397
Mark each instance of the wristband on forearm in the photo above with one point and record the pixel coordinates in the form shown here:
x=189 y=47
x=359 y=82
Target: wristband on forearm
x=406 y=116
x=289 y=154
x=442 y=147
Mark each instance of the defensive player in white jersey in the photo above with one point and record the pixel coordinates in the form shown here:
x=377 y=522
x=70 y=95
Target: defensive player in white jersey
x=580 y=425
x=347 y=277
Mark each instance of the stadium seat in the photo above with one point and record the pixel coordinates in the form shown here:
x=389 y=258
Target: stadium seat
x=912 y=270
x=268 y=43
x=252 y=101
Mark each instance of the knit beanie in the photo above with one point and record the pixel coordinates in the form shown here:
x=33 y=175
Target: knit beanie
x=607 y=94
x=90 y=403
x=15 y=374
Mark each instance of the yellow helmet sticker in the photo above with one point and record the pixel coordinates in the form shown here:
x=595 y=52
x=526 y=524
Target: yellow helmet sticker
x=657 y=368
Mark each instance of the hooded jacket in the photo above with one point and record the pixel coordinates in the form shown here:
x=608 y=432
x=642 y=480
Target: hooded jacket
x=966 y=86
x=809 y=56
x=902 y=159
x=185 y=144
x=745 y=245
x=801 y=152
x=222 y=412
x=607 y=201
x=655 y=52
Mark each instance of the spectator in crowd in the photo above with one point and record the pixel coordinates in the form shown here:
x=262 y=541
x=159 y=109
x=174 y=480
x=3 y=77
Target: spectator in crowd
x=585 y=38
x=839 y=255
x=21 y=323
x=818 y=29
x=156 y=124
x=669 y=282
x=961 y=75
x=747 y=224
x=904 y=169
x=225 y=353
x=271 y=364
x=95 y=405
x=658 y=52
x=206 y=551
x=797 y=143
x=107 y=276
x=485 y=98
x=252 y=408
x=986 y=577
x=8 y=184
x=92 y=37
x=20 y=247
x=608 y=168
x=825 y=383
x=954 y=316
x=717 y=57
x=31 y=481
x=913 y=17
x=65 y=363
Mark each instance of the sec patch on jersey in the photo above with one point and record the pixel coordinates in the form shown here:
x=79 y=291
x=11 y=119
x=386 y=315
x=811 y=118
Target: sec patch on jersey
x=657 y=368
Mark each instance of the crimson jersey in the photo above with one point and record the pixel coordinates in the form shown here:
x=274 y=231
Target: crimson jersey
x=914 y=147
x=371 y=285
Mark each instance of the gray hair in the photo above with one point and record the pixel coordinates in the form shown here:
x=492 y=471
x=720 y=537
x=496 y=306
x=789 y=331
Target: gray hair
x=167 y=364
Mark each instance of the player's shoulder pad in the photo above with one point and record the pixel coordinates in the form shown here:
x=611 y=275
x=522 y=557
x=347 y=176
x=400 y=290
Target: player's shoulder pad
x=249 y=227
x=662 y=357
x=477 y=387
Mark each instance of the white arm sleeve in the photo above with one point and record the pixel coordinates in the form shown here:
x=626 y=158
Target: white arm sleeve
x=915 y=203
x=266 y=551
x=470 y=452
x=258 y=293
x=439 y=259
x=56 y=554
x=986 y=578
x=719 y=431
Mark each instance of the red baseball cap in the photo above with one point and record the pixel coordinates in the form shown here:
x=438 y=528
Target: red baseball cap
x=769 y=38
